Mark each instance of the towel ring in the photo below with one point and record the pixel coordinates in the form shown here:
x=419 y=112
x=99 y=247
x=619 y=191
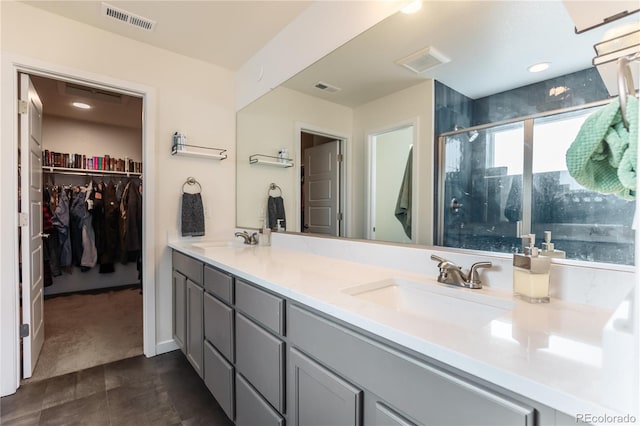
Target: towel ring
x=625 y=84
x=192 y=181
x=273 y=187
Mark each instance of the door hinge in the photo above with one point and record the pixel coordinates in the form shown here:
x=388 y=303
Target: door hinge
x=23 y=106
x=23 y=219
x=340 y=216
x=24 y=330
x=340 y=158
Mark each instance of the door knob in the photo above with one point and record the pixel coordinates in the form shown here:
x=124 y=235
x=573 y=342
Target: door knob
x=43 y=235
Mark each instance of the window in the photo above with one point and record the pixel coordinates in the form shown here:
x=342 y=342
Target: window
x=500 y=189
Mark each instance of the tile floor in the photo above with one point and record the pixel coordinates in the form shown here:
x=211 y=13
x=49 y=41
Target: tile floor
x=163 y=390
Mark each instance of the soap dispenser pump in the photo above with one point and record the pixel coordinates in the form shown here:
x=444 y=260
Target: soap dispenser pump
x=548 y=248
x=531 y=274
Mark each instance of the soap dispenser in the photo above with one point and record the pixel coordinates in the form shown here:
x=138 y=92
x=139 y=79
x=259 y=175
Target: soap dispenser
x=531 y=274
x=548 y=248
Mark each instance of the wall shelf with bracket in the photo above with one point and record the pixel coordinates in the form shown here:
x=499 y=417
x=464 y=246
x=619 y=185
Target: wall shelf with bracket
x=269 y=160
x=199 y=151
x=87 y=172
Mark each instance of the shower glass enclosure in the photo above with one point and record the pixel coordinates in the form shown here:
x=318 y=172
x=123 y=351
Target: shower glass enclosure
x=497 y=182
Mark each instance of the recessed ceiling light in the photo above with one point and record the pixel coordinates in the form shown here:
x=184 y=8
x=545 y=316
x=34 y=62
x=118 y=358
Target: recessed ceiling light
x=81 y=105
x=539 y=67
x=412 y=7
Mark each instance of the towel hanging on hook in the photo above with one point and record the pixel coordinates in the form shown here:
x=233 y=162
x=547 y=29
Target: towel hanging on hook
x=625 y=84
x=191 y=181
x=192 y=223
x=273 y=187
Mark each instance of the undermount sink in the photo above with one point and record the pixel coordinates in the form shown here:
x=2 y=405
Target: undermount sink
x=208 y=244
x=465 y=308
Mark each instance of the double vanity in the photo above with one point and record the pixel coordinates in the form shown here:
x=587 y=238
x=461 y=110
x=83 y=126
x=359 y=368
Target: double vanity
x=286 y=336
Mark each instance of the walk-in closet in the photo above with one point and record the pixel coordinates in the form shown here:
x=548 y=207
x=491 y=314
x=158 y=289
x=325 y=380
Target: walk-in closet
x=91 y=176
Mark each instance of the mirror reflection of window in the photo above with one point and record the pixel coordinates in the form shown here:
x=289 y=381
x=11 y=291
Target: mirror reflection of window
x=488 y=198
x=585 y=224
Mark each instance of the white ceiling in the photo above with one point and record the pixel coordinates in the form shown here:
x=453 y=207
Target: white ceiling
x=490 y=45
x=224 y=33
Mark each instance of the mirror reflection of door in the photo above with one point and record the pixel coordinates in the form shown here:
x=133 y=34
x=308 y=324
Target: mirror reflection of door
x=321 y=185
x=390 y=183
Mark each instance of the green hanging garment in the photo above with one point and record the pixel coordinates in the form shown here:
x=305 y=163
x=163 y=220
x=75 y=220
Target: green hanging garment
x=603 y=157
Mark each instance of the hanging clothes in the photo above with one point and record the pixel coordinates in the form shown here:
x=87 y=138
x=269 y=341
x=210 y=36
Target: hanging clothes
x=89 y=251
x=76 y=212
x=51 y=242
x=111 y=228
x=61 y=221
x=130 y=223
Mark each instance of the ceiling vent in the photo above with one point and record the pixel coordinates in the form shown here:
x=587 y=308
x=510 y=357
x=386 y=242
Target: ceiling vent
x=423 y=60
x=127 y=17
x=326 y=87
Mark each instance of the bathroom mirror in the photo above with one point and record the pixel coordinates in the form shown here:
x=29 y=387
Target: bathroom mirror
x=330 y=119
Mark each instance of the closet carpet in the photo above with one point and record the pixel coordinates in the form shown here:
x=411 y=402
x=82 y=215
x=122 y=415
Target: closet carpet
x=86 y=330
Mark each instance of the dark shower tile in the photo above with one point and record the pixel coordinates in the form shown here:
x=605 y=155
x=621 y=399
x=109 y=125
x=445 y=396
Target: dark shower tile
x=91 y=410
x=27 y=400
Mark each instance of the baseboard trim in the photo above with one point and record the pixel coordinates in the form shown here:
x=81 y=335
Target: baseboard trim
x=166 y=346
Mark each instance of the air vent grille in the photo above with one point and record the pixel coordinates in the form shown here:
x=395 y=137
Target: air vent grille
x=127 y=17
x=326 y=87
x=423 y=60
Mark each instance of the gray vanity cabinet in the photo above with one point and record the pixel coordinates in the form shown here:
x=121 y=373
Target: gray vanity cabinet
x=219 y=348
x=179 y=290
x=219 y=377
x=188 y=296
x=195 y=325
x=418 y=391
x=252 y=409
x=260 y=345
x=320 y=397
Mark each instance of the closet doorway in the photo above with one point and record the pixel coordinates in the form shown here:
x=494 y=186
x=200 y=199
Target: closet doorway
x=92 y=221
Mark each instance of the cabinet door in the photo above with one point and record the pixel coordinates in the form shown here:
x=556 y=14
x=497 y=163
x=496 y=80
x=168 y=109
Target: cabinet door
x=385 y=416
x=195 y=325
x=252 y=409
x=319 y=397
x=179 y=289
x=218 y=325
x=219 y=378
x=260 y=358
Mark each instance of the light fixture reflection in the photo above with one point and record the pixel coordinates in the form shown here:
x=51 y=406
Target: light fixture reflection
x=539 y=67
x=412 y=7
x=81 y=105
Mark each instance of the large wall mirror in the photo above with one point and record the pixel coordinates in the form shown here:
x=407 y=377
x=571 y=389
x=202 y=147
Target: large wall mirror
x=347 y=147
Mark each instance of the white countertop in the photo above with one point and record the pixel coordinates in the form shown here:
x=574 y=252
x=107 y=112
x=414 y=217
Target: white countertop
x=558 y=354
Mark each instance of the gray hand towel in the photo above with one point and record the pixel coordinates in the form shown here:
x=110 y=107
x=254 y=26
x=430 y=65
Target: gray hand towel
x=192 y=215
x=275 y=211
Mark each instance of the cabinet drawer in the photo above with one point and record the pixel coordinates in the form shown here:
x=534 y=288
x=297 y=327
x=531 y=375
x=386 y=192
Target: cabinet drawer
x=188 y=266
x=218 y=325
x=218 y=283
x=319 y=397
x=425 y=393
x=263 y=307
x=219 y=378
x=251 y=409
x=260 y=358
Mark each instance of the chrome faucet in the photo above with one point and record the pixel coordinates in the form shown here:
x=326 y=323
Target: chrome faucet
x=450 y=273
x=248 y=239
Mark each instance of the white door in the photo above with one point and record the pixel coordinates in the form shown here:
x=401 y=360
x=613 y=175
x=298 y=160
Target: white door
x=322 y=183
x=31 y=221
